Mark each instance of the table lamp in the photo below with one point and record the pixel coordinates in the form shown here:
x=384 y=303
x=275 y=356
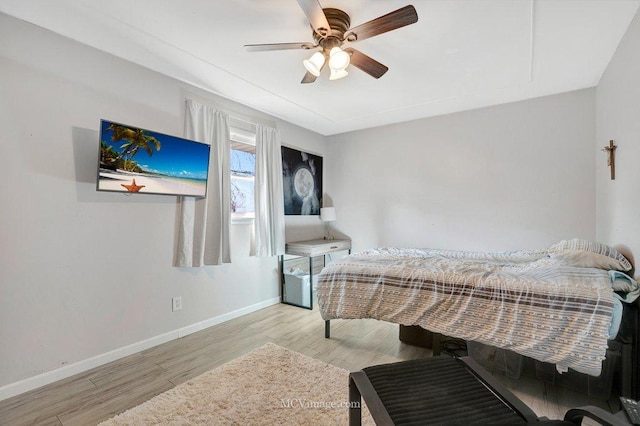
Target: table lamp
x=328 y=215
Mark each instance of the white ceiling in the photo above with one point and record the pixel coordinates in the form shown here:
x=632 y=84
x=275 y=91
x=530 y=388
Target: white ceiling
x=461 y=54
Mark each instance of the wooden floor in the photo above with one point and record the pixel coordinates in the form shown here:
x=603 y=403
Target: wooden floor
x=103 y=392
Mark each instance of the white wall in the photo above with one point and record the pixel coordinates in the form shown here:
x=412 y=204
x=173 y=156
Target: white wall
x=84 y=273
x=514 y=176
x=618 y=118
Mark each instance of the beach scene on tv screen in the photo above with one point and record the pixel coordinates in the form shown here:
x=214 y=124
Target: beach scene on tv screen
x=134 y=160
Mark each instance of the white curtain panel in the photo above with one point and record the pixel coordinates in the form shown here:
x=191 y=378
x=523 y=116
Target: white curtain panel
x=269 y=198
x=204 y=224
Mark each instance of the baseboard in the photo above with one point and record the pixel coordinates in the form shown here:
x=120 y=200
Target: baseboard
x=48 y=377
x=185 y=331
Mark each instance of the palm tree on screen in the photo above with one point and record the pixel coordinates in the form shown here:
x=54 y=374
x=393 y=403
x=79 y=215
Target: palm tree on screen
x=135 y=140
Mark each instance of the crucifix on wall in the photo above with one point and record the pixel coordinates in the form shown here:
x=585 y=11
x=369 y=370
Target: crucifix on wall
x=611 y=160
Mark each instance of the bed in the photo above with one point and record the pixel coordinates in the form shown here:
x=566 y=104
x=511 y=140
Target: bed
x=559 y=305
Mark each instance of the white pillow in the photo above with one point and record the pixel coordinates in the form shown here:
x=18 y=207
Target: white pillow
x=589 y=254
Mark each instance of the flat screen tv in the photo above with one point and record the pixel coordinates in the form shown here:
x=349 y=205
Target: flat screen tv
x=134 y=160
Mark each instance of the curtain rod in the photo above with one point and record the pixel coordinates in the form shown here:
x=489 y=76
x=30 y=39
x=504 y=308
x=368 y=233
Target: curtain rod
x=235 y=115
x=251 y=121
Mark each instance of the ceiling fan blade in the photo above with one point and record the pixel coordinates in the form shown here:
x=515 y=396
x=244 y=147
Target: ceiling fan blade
x=308 y=78
x=279 y=46
x=391 y=21
x=316 y=16
x=366 y=63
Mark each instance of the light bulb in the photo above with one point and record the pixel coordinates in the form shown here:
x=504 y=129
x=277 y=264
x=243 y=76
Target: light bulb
x=338 y=59
x=314 y=63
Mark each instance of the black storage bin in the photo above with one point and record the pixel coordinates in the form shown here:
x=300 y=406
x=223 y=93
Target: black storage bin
x=415 y=335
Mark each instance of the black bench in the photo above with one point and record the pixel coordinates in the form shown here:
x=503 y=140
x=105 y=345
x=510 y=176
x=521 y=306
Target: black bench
x=446 y=390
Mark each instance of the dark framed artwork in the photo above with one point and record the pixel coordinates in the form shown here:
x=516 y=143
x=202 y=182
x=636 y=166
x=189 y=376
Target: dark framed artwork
x=302 y=182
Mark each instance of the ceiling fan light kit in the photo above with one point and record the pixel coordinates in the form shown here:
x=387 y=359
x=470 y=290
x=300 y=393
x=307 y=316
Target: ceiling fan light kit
x=331 y=29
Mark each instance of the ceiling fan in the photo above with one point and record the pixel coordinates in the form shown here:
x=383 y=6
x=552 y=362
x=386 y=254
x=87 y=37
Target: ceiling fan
x=331 y=30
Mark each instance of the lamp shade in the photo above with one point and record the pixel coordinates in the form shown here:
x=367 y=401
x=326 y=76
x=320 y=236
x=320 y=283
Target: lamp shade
x=337 y=74
x=328 y=214
x=338 y=59
x=314 y=63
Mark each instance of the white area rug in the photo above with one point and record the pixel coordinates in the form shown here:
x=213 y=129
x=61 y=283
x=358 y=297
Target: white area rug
x=269 y=386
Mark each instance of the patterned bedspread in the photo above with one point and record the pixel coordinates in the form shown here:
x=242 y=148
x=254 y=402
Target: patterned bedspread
x=522 y=301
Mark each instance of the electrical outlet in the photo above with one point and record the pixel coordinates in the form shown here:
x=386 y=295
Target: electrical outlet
x=176 y=303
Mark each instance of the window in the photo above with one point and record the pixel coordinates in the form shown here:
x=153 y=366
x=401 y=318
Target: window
x=243 y=174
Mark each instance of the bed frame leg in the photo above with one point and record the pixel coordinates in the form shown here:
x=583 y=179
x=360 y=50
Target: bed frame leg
x=327 y=329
